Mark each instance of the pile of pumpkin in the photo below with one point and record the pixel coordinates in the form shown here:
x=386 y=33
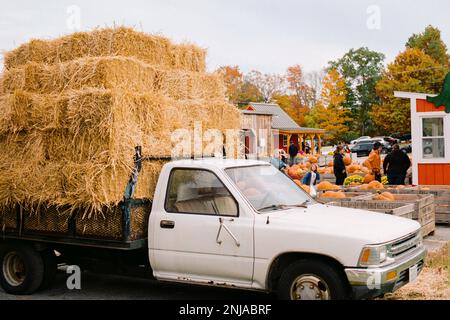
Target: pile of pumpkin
x=385 y=196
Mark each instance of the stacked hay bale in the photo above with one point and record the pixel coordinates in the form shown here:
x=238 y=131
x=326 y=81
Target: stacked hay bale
x=73 y=109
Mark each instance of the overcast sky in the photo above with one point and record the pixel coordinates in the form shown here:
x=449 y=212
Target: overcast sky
x=255 y=34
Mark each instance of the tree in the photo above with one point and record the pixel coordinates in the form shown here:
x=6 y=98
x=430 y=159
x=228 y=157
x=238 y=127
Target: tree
x=330 y=113
x=414 y=71
x=269 y=85
x=430 y=43
x=239 y=91
x=361 y=70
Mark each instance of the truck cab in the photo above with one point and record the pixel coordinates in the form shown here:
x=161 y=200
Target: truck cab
x=245 y=224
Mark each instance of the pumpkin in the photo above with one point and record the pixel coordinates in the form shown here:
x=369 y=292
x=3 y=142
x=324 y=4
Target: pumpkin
x=369 y=178
x=252 y=192
x=305 y=188
x=313 y=159
x=376 y=185
x=347 y=160
x=364 y=169
x=326 y=185
x=379 y=197
x=330 y=164
x=334 y=195
x=364 y=187
x=388 y=195
x=294 y=173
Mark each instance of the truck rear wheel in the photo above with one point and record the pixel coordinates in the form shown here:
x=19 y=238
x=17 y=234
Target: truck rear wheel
x=311 y=280
x=22 y=269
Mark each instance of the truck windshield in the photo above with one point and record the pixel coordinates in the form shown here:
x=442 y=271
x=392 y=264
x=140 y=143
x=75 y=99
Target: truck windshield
x=267 y=188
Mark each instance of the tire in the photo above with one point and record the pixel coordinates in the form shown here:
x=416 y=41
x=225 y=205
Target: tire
x=318 y=280
x=50 y=269
x=21 y=269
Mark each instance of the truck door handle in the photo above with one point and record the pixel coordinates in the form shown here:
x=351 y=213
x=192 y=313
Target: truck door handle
x=166 y=224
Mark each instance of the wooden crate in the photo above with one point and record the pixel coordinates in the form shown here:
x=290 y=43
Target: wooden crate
x=396 y=209
x=351 y=196
x=441 y=199
x=424 y=208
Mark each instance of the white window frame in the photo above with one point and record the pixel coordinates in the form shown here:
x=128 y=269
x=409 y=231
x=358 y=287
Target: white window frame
x=419 y=144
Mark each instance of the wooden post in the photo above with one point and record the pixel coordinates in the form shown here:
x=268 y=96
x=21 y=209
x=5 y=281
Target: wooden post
x=313 y=145
x=320 y=143
x=300 y=142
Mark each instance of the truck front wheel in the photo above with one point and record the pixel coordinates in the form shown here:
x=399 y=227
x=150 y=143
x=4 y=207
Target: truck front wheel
x=311 y=280
x=22 y=269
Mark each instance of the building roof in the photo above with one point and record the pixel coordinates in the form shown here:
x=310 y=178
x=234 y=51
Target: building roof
x=280 y=120
x=261 y=113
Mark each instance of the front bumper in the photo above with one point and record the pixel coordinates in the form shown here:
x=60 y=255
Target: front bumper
x=373 y=282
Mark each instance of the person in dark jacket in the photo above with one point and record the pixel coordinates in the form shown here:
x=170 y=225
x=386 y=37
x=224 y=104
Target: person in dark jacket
x=293 y=153
x=340 y=171
x=395 y=165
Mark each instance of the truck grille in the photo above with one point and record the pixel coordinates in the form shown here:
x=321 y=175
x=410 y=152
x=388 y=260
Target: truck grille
x=404 y=245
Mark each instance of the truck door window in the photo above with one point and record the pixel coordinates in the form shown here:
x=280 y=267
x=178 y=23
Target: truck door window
x=199 y=192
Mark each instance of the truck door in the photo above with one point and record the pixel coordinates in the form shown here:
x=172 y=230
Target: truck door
x=200 y=234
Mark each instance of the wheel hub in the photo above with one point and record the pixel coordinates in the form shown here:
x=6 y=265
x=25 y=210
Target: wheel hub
x=14 y=269
x=309 y=287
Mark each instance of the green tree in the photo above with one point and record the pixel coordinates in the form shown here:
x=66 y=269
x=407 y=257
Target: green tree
x=430 y=42
x=413 y=71
x=361 y=69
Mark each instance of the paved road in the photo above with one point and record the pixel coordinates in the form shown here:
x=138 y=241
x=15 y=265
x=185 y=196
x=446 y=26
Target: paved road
x=103 y=287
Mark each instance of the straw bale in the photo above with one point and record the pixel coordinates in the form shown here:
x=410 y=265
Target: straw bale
x=122 y=73
x=122 y=41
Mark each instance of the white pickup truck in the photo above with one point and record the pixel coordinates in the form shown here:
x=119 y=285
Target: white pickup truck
x=240 y=224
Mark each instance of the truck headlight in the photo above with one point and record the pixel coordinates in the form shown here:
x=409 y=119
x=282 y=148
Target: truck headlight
x=373 y=256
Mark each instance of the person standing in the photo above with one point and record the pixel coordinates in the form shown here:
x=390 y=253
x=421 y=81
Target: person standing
x=277 y=161
x=396 y=165
x=373 y=163
x=293 y=152
x=312 y=177
x=340 y=171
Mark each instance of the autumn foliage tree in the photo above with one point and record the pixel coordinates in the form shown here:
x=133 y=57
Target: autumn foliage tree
x=330 y=113
x=238 y=90
x=412 y=71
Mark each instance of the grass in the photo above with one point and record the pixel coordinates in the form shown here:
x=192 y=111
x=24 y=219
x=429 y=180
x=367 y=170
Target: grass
x=434 y=281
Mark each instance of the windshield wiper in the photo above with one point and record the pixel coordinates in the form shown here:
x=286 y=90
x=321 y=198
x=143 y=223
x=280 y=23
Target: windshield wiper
x=282 y=206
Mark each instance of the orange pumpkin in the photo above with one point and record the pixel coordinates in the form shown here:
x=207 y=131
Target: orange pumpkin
x=335 y=195
x=376 y=185
x=369 y=178
x=313 y=159
x=330 y=164
x=306 y=188
x=388 y=195
x=347 y=160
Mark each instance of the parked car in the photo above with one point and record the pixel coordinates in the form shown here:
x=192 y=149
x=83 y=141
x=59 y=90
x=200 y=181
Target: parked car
x=363 y=149
x=387 y=147
x=391 y=140
x=228 y=223
x=359 y=139
x=405 y=137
